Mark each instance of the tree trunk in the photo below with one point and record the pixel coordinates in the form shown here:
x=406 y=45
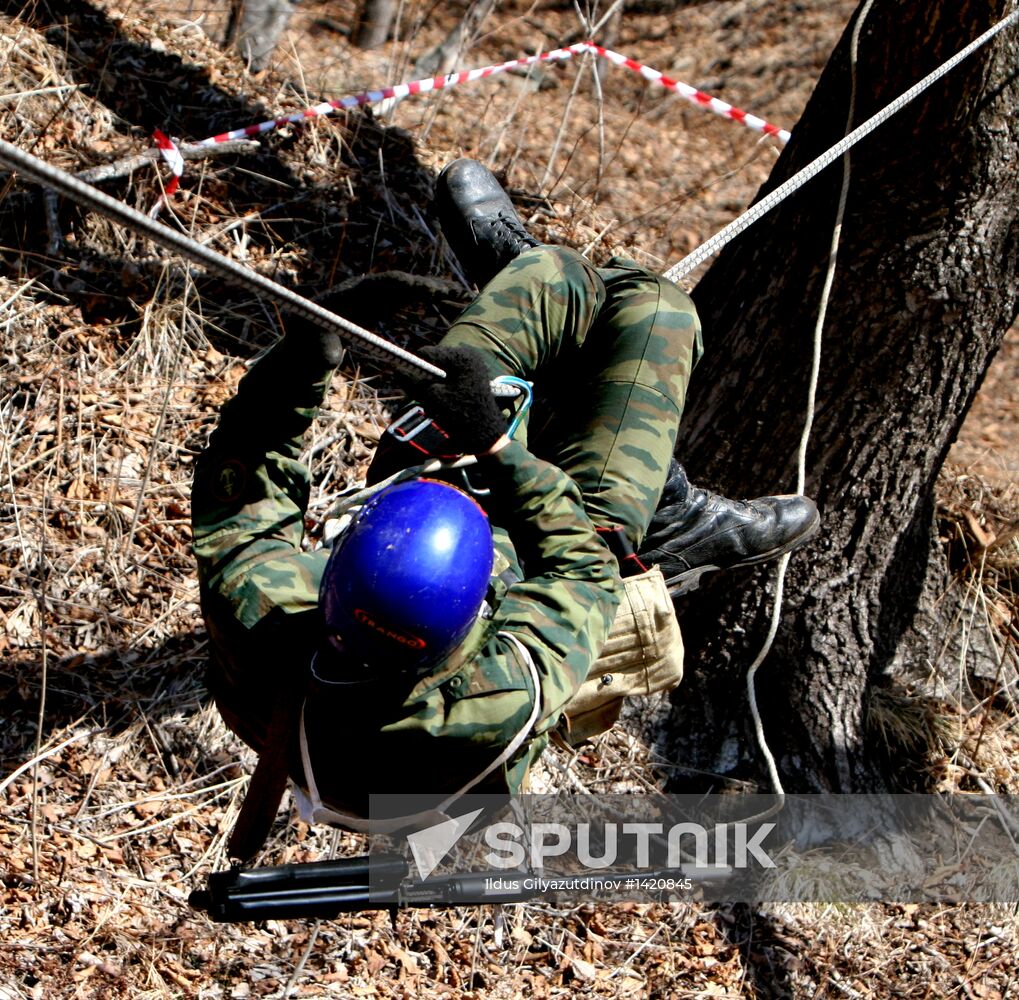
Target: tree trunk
x=925 y=291
x=255 y=27
x=448 y=52
x=374 y=22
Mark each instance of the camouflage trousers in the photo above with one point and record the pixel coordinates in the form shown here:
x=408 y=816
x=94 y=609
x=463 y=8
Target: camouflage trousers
x=610 y=351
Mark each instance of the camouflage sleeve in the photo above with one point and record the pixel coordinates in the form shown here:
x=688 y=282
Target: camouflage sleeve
x=251 y=492
x=564 y=606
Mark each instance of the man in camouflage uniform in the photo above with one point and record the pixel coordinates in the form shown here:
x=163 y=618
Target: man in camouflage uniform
x=571 y=498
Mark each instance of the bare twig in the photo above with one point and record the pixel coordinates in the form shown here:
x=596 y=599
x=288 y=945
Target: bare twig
x=561 y=132
x=167 y=396
x=40 y=756
x=313 y=937
x=190 y=151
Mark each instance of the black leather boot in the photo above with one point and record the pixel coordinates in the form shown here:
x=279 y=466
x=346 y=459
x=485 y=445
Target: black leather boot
x=478 y=220
x=695 y=531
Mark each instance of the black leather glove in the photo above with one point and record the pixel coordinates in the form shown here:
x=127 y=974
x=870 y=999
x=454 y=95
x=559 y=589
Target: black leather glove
x=462 y=403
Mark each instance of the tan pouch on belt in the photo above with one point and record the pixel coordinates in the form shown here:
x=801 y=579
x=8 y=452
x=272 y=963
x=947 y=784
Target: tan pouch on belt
x=643 y=655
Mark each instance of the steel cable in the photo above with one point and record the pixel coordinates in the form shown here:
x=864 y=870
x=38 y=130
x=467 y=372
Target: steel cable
x=216 y=263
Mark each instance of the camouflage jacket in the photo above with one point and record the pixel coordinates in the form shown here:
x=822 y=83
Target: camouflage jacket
x=259 y=591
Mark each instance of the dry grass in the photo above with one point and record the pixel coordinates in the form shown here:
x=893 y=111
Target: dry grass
x=119 y=781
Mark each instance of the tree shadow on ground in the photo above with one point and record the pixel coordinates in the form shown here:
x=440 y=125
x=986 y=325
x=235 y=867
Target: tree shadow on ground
x=768 y=954
x=145 y=89
x=109 y=690
x=312 y=216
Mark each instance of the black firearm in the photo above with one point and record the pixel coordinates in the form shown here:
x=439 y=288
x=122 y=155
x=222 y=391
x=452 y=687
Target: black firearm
x=324 y=889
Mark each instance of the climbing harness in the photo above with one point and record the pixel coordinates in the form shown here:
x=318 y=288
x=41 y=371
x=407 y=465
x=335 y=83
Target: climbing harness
x=408 y=426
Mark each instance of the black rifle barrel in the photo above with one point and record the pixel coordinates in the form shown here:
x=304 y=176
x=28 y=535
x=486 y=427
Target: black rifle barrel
x=324 y=889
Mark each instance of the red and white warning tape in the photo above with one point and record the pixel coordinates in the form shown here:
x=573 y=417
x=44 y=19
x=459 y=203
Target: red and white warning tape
x=401 y=90
x=171 y=156
x=692 y=94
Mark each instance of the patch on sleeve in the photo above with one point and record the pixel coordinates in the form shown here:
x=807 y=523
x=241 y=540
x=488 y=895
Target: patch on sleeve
x=230 y=481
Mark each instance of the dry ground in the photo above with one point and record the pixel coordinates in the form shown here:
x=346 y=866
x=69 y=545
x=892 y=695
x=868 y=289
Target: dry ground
x=119 y=783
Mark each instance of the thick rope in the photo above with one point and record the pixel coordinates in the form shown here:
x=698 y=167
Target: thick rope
x=711 y=246
x=98 y=201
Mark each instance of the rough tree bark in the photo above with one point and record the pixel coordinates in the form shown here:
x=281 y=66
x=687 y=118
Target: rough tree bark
x=447 y=53
x=373 y=23
x=254 y=28
x=925 y=291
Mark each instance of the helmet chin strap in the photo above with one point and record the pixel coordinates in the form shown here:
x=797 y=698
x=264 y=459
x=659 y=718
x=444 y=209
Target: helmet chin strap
x=349 y=670
x=313 y=810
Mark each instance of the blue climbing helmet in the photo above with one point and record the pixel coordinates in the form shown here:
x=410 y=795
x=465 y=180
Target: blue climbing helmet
x=405 y=582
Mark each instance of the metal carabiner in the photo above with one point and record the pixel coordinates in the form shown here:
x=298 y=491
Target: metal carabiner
x=527 y=393
x=396 y=428
x=527 y=390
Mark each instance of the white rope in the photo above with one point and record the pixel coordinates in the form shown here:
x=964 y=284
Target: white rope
x=715 y=243
x=801 y=458
x=801 y=455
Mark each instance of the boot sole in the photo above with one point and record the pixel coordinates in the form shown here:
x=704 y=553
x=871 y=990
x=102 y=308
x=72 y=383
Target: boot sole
x=684 y=583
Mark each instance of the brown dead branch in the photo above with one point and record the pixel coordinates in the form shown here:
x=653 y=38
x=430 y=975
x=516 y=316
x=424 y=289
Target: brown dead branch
x=190 y=151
